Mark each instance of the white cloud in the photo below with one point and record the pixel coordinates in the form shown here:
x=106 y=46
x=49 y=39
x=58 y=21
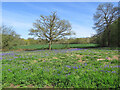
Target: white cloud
x=21 y=28
x=18 y=20
x=15 y=15
x=82 y=31
x=17 y=24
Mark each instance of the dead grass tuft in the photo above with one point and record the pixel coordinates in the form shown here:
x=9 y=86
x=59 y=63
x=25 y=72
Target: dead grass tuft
x=55 y=58
x=100 y=59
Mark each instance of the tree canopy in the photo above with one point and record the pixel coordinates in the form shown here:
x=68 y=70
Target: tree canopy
x=51 y=28
x=105 y=15
x=9 y=37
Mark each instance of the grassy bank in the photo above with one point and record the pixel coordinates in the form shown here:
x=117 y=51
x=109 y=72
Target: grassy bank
x=55 y=46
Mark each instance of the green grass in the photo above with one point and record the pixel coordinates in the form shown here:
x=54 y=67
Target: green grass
x=73 y=68
x=55 y=46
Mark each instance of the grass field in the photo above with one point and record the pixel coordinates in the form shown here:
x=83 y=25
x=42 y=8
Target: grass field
x=67 y=68
x=55 y=46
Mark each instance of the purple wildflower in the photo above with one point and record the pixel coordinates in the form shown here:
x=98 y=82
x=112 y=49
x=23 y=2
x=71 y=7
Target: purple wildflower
x=115 y=66
x=15 y=57
x=101 y=70
x=75 y=67
x=107 y=58
x=67 y=74
x=85 y=64
x=68 y=66
x=113 y=71
x=104 y=71
x=105 y=66
x=9 y=70
x=25 y=69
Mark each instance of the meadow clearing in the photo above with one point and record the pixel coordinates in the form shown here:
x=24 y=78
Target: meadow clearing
x=39 y=49
x=54 y=46
x=63 y=68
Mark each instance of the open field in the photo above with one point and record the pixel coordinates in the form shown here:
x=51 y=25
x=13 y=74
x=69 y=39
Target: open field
x=68 y=68
x=71 y=45
x=54 y=46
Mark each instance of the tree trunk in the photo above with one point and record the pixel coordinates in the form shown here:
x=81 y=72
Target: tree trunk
x=104 y=38
x=50 y=45
x=108 y=37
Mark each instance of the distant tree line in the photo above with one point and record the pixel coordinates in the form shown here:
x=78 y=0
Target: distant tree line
x=102 y=38
x=75 y=41
x=11 y=39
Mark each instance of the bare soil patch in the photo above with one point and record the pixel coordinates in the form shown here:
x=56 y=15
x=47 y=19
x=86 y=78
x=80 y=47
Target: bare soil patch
x=100 y=59
x=116 y=57
x=81 y=61
x=30 y=86
x=13 y=86
x=48 y=87
x=16 y=86
x=34 y=61
x=55 y=58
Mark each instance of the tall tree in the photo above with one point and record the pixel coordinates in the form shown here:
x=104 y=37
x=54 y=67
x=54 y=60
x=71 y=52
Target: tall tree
x=51 y=28
x=105 y=15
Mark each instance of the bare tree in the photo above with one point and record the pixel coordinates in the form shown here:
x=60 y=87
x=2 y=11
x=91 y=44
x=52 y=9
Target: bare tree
x=105 y=15
x=51 y=28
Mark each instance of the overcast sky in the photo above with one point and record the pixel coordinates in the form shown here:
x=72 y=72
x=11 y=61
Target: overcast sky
x=21 y=15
